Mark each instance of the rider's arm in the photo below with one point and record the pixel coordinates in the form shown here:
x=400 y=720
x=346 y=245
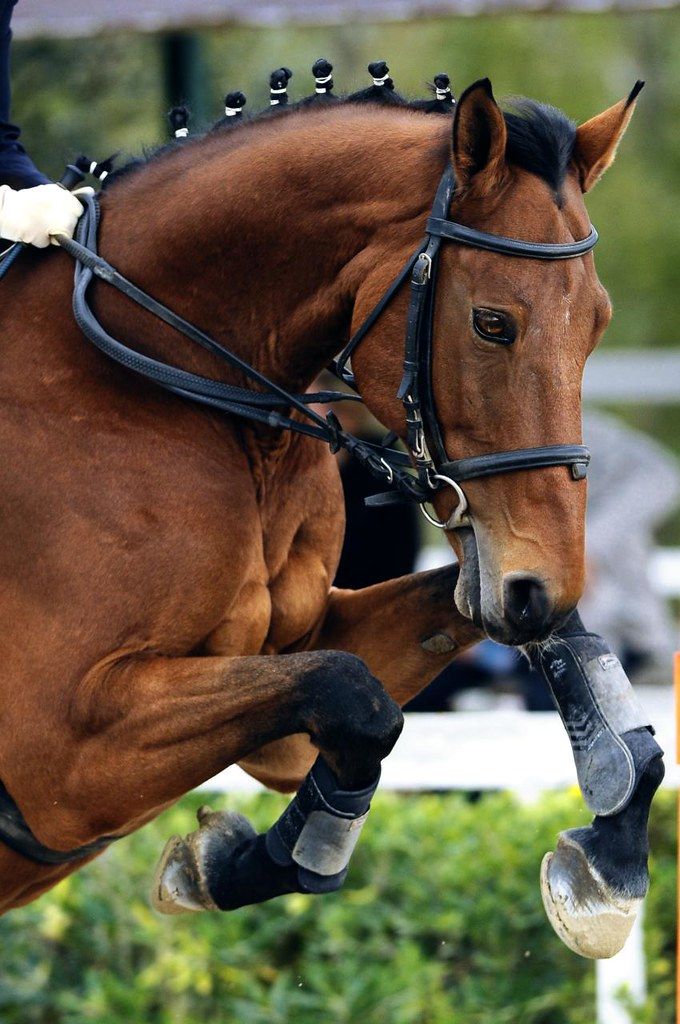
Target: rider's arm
x=31 y=208
x=16 y=167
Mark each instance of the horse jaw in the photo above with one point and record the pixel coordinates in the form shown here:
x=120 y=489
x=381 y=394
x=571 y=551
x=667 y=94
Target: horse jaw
x=468 y=592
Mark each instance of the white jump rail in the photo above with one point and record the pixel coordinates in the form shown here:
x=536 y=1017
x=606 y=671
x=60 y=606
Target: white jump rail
x=527 y=753
x=649 y=375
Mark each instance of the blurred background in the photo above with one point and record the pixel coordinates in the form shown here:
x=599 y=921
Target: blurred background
x=441 y=921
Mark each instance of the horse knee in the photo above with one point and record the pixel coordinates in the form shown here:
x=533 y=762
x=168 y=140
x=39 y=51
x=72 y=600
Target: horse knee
x=350 y=716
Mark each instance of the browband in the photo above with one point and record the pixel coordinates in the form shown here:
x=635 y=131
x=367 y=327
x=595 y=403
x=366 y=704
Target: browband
x=510 y=246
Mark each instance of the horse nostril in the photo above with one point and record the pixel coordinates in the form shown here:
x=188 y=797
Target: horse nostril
x=526 y=603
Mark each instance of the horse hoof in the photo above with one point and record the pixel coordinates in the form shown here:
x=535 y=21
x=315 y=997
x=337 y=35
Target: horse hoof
x=589 y=917
x=180 y=880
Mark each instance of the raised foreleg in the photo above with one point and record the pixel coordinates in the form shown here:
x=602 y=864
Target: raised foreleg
x=406 y=630
x=145 y=730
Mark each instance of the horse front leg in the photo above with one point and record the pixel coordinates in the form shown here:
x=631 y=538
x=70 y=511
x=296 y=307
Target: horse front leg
x=406 y=630
x=594 y=882
x=151 y=728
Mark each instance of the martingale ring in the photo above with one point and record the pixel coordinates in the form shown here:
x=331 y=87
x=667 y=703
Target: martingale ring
x=458 y=517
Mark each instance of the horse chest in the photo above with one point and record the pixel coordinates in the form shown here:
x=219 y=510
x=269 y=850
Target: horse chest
x=289 y=560
x=298 y=595
x=303 y=531
x=283 y=595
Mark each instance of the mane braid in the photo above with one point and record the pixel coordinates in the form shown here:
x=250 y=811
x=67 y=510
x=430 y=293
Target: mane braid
x=151 y=154
x=540 y=138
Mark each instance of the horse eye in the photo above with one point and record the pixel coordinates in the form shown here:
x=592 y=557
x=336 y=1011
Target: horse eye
x=494 y=326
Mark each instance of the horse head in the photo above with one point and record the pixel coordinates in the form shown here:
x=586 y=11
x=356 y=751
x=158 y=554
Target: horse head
x=509 y=342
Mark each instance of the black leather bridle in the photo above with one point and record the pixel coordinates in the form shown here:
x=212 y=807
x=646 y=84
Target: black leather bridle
x=432 y=462
x=271 y=404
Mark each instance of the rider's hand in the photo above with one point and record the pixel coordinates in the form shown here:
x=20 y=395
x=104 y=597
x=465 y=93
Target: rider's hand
x=32 y=215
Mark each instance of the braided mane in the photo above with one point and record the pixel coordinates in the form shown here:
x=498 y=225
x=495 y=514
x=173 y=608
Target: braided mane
x=540 y=137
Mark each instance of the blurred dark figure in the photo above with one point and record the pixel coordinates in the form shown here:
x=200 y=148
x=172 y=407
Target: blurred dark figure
x=380 y=543
x=633 y=486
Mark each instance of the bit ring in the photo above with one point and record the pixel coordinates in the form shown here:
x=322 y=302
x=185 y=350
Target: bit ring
x=458 y=517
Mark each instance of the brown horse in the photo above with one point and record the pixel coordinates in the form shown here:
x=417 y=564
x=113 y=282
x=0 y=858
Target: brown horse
x=168 y=570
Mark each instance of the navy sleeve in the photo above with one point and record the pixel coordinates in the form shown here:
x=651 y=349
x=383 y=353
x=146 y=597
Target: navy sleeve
x=16 y=167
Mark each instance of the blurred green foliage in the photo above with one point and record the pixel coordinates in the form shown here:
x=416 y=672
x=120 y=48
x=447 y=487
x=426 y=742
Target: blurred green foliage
x=440 y=922
x=106 y=93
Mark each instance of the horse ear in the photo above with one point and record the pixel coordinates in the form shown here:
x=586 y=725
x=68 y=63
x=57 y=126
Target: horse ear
x=479 y=136
x=597 y=140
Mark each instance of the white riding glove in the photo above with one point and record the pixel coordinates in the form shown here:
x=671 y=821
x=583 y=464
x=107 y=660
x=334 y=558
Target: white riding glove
x=31 y=215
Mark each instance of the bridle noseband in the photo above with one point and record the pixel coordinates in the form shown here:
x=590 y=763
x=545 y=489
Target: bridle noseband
x=416 y=393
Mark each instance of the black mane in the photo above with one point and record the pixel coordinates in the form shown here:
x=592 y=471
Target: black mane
x=540 y=137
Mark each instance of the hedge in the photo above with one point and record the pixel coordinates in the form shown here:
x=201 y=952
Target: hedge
x=440 y=922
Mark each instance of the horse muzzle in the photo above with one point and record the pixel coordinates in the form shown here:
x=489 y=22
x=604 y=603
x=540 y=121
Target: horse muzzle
x=513 y=608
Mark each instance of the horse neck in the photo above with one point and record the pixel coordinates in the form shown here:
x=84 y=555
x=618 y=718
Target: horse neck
x=264 y=237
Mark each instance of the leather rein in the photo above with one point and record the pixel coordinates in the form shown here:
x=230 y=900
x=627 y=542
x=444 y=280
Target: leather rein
x=273 y=404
